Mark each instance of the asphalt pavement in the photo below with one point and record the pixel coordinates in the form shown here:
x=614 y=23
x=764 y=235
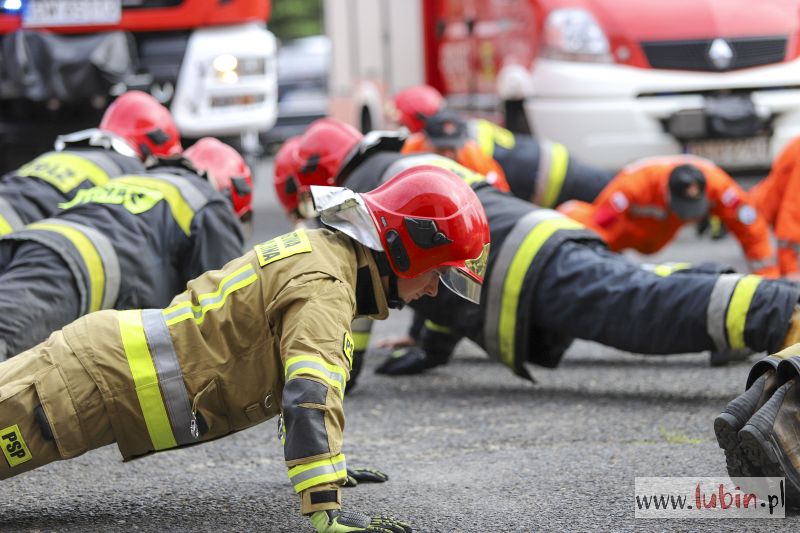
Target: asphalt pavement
x=469 y=447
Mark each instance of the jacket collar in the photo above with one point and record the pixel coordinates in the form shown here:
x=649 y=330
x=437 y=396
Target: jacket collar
x=370 y=296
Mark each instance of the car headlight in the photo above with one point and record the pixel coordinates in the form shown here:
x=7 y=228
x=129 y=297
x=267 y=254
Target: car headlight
x=228 y=68
x=572 y=34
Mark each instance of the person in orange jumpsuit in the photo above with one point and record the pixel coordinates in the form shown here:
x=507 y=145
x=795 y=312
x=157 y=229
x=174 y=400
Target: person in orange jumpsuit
x=646 y=204
x=775 y=198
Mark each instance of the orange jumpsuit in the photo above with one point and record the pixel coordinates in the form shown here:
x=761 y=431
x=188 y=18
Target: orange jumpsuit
x=633 y=211
x=776 y=199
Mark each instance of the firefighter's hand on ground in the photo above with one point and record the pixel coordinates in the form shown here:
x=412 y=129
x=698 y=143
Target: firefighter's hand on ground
x=405 y=361
x=397 y=342
x=349 y=521
x=364 y=475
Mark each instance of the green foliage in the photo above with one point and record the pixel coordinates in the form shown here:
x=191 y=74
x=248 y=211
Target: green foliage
x=296 y=18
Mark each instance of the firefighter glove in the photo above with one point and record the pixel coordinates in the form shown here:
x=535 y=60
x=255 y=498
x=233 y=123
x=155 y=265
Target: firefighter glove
x=364 y=475
x=403 y=361
x=349 y=521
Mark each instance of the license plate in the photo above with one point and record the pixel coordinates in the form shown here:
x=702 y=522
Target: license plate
x=38 y=13
x=733 y=154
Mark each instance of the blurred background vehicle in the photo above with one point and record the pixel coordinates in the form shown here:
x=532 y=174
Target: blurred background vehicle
x=302 y=85
x=211 y=62
x=613 y=80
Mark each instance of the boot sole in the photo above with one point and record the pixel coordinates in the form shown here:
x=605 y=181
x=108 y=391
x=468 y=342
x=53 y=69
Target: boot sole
x=764 y=452
x=726 y=429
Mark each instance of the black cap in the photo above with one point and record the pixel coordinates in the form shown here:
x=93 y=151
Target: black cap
x=446 y=129
x=687 y=191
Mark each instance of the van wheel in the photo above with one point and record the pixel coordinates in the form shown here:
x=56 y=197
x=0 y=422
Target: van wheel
x=514 y=113
x=366 y=120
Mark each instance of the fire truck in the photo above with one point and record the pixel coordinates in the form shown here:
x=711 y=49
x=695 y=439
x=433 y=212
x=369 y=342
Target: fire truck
x=212 y=62
x=613 y=80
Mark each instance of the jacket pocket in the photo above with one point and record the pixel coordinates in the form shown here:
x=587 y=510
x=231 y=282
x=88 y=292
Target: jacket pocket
x=59 y=409
x=210 y=412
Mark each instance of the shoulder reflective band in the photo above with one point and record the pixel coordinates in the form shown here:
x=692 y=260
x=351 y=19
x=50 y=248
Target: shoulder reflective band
x=64 y=171
x=212 y=300
x=311 y=365
x=9 y=219
x=145 y=379
x=505 y=284
x=323 y=471
x=470 y=177
x=728 y=306
x=489 y=134
x=102 y=160
x=183 y=198
x=99 y=259
x=553 y=161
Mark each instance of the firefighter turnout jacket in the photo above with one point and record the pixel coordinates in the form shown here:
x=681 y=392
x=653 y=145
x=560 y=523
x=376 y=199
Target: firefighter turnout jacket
x=131 y=243
x=542 y=172
x=775 y=197
x=633 y=211
x=268 y=333
x=34 y=191
x=549 y=280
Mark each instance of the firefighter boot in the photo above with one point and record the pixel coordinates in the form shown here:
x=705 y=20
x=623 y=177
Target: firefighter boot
x=771 y=439
x=761 y=383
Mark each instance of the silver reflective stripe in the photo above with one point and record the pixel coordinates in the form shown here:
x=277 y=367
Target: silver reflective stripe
x=108 y=255
x=782 y=243
x=193 y=196
x=716 y=314
x=170 y=377
x=10 y=215
x=319 y=471
x=649 y=211
x=108 y=165
x=333 y=376
x=494 y=289
x=543 y=172
x=203 y=303
x=761 y=263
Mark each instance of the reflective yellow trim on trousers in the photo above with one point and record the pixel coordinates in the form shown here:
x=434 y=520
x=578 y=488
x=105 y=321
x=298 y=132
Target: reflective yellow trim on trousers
x=738 y=307
x=213 y=300
x=64 y=171
x=145 y=378
x=91 y=259
x=559 y=158
x=323 y=471
x=316 y=366
x=181 y=211
x=361 y=340
x=512 y=284
x=433 y=326
x=5 y=227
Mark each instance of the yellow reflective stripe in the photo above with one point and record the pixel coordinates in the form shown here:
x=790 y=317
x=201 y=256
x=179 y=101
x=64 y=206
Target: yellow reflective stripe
x=512 y=284
x=361 y=340
x=91 y=259
x=559 y=157
x=736 y=317
x=145 y=379
x=180 y=208
x=316 y=366
x=667 y=270
x=64 y=171
x=433 y=326
x=323 y=471
x=5 y=227
x=485 y=137
x=213 y=300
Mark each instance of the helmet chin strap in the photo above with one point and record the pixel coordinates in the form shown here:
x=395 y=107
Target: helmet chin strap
x=393 y=297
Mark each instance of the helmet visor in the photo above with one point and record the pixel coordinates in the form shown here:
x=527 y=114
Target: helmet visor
x=466 y=281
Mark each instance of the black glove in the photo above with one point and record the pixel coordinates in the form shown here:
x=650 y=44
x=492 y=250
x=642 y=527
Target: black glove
x=405 y=361
x=364 y=475
x=350 y=522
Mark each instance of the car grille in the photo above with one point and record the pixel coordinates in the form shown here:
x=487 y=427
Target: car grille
x=149 y=4
x=693 y=55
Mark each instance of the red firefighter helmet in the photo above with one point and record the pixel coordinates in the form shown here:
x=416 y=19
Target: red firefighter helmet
x=428 y=218
x=415 y=104
x=227 y=170
x=322 y=151
x=285 y=181
x=147 y=125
